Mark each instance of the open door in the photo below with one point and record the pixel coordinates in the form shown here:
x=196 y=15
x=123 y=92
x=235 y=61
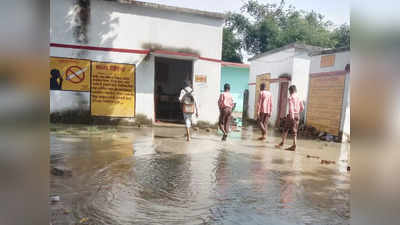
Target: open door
x=169 y=77
x=282 y=101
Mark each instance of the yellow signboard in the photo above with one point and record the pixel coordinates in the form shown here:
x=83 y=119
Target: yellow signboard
x=324 y=107
x=263 y=78
x=112 y=91
x=201 y=78
x=69 y=74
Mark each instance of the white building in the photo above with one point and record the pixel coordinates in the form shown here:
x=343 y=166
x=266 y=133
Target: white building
x=329 y=92
x=280 y=68
x=166 y=44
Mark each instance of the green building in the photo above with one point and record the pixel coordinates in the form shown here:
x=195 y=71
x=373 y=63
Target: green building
x=237 y=75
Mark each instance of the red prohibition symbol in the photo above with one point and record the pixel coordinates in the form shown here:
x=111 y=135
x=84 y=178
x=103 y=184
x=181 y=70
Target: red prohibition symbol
x=75 y=74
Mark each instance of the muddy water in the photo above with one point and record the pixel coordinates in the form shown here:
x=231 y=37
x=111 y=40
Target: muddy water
x=152 y=176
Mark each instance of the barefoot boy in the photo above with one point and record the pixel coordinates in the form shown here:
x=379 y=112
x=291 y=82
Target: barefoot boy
x=292 y=121
x=225 y=104
x=264 y=109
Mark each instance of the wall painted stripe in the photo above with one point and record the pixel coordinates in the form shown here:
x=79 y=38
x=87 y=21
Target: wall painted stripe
x=163 y=52
x=210 y=59
x=331 y=73
x=275 y=80
x=135 y=51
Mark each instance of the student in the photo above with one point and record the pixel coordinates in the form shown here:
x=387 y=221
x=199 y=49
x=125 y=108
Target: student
x=189 y=106
x=264 y=109
x=225 y=104
x=292 y=121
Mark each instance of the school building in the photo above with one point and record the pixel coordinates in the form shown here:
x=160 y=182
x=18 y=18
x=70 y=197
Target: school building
x=328 y=105
x=237 y=75
x=278 y=69
x=124 y=58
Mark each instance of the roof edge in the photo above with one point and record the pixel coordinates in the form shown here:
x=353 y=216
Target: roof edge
x=295 y=45
x=232 y=64
x=173 y=8
x=330 y=51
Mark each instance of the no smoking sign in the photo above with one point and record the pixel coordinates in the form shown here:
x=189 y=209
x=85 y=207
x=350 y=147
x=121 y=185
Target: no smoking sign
x=75 y=74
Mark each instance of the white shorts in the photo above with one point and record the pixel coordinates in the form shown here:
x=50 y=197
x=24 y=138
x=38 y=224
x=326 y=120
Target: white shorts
x=188 y=119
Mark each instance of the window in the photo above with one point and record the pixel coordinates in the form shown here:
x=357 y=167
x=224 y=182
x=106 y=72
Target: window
x=327 y=60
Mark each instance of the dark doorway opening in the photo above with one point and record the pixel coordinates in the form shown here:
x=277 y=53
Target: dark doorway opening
x=282 y=101
x=169 y=77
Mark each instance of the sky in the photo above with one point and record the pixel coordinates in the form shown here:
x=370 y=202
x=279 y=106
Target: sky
x=337 y=11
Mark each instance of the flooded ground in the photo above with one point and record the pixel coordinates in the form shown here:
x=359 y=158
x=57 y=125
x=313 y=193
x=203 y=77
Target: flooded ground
x=152 y=176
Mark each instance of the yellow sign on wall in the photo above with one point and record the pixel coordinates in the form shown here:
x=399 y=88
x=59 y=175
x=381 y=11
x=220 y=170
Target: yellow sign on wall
x=263 y=78
x=325 y=101
x=69 y=74
x=113 y=91
x=200 y=78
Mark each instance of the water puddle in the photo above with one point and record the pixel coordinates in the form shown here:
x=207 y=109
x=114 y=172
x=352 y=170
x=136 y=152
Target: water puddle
x=153 y=176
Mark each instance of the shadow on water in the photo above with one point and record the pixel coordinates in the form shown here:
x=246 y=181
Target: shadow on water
x=127 y=176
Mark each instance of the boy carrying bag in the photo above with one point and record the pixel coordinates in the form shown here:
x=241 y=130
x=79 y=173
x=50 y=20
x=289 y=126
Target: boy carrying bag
x=189 y=106
x=188 y=102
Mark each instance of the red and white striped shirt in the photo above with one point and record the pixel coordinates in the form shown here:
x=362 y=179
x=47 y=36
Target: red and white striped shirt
x=225 y=100
x=295 y=105
x=264 y=104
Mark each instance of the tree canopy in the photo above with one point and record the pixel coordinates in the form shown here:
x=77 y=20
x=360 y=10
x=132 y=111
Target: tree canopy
x=263 y=27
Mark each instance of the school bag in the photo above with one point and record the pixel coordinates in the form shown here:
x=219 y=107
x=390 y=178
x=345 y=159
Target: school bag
x=188 y=102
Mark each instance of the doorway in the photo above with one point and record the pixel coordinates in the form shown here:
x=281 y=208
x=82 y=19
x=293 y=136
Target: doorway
x=282 y=101
x=169 y=77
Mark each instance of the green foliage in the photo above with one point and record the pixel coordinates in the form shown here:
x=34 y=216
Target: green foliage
x=341 y=36
x=263 y=27
x=231 y=47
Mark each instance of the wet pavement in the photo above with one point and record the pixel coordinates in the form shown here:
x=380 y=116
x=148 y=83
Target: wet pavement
x=124 y=175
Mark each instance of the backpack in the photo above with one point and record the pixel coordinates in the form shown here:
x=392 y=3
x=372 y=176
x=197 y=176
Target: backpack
x=188 y=102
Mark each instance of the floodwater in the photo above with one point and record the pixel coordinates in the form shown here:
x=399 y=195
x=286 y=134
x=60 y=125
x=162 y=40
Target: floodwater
x=124 y=175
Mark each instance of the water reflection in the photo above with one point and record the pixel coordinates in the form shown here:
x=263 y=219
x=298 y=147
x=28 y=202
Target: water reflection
x=134 y=177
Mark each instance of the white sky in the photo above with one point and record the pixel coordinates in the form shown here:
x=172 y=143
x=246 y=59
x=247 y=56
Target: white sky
x=338 y=11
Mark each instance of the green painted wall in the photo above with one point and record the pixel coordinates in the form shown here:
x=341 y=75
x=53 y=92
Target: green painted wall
x=238 y=78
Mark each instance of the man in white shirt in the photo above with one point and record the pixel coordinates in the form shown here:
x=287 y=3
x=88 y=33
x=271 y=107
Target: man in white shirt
x=189 y=106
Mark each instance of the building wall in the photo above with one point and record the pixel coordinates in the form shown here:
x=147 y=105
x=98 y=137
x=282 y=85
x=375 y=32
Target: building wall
x=238 y=78
x=69 y=100
x=341 y=60
x=116 y=25
x=300 y=73
x=276 y=64
x=345 y=123
x=207 y=94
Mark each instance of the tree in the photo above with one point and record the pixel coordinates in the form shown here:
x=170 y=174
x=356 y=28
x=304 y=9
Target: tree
x=262 y=37
x=232 y=43
x=231 y=47
x=263 y=27
x=341 y=36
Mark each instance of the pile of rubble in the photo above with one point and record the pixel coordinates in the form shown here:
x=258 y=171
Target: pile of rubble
x=313 y=133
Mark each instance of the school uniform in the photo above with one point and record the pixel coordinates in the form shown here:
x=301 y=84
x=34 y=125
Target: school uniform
x=225 y=104
x=264 y=110
x=293 y=118
x=188 y=116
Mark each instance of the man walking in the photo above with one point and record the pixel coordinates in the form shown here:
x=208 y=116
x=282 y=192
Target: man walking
x=264 y=110
x=189 y=106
